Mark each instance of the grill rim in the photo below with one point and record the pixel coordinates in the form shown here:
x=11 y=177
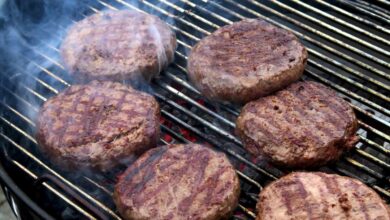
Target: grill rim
x=9 y=184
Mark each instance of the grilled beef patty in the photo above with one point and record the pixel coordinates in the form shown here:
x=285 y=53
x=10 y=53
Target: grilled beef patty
x=246 y=60
x=318 y=195
x=118 y=45
x=178 y=182
x=304 y=125
x=97 y=125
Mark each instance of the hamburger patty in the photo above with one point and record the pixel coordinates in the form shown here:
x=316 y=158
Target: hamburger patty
x=246 y=60
x=304 y=125
x=320 y=196
x=178 y=182
x=97 y=125
x=118 y=45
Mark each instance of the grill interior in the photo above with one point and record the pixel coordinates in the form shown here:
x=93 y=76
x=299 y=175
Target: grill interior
x=349 y=47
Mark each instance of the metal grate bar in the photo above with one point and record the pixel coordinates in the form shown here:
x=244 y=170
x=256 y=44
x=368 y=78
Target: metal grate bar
x=307 y=27
x=57 y=193
x=377 y=132
x=332 y=28
x=193 y=102
x=372 y=158
x=357 y=18
x=346 y=91
x=194 y=90
x=222 y=132
x=384 y=2
x=340 y=21
x=380 y=11
x=367 y=12
x=229 y=151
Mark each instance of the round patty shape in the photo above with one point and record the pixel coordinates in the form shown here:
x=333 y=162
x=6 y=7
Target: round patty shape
x=246 y=60
x=97 y=125
x=319 y=195
x=305 y=125
x=118 y=45
x=177 y=182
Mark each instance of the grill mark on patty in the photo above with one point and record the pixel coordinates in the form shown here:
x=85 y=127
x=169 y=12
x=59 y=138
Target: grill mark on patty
x=333 y=187
x=63 y=129
x=155 y=155
x=187 y=202
x=252 y=109
x=337 y=108
x=362 y=205
x=179 y=174
x=100 y=113
x=303 y=195
x=328 y=115
x=286 y=196
x=214 y=180
x=298 y=108
x=273 y=122
x=87 y=136
x=104 y=47
x=325 y=214
x=244 y=34
x=89 y=116
x=263 y=128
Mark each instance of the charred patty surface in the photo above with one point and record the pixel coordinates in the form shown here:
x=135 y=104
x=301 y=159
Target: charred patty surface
x=246 y=60
x=304 y=125
x=178 y=182
x=320 y=196
x=98 y=124
x=118 y=45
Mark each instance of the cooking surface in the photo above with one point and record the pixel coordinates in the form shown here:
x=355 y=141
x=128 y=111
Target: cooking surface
x=348 y=51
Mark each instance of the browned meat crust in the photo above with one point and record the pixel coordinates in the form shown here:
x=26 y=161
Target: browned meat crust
x=246 y=60
x=319 y=196
x=178 y=182
x=118 y=45
x=97 y=125
x=304 y=125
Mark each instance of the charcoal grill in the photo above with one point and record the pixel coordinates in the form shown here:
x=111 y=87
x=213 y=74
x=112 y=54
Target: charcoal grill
x=349 y=46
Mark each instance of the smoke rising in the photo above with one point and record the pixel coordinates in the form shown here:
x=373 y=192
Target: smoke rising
x=31 y=31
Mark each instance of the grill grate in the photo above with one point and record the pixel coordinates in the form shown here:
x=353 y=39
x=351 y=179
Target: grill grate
x=349 y=51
